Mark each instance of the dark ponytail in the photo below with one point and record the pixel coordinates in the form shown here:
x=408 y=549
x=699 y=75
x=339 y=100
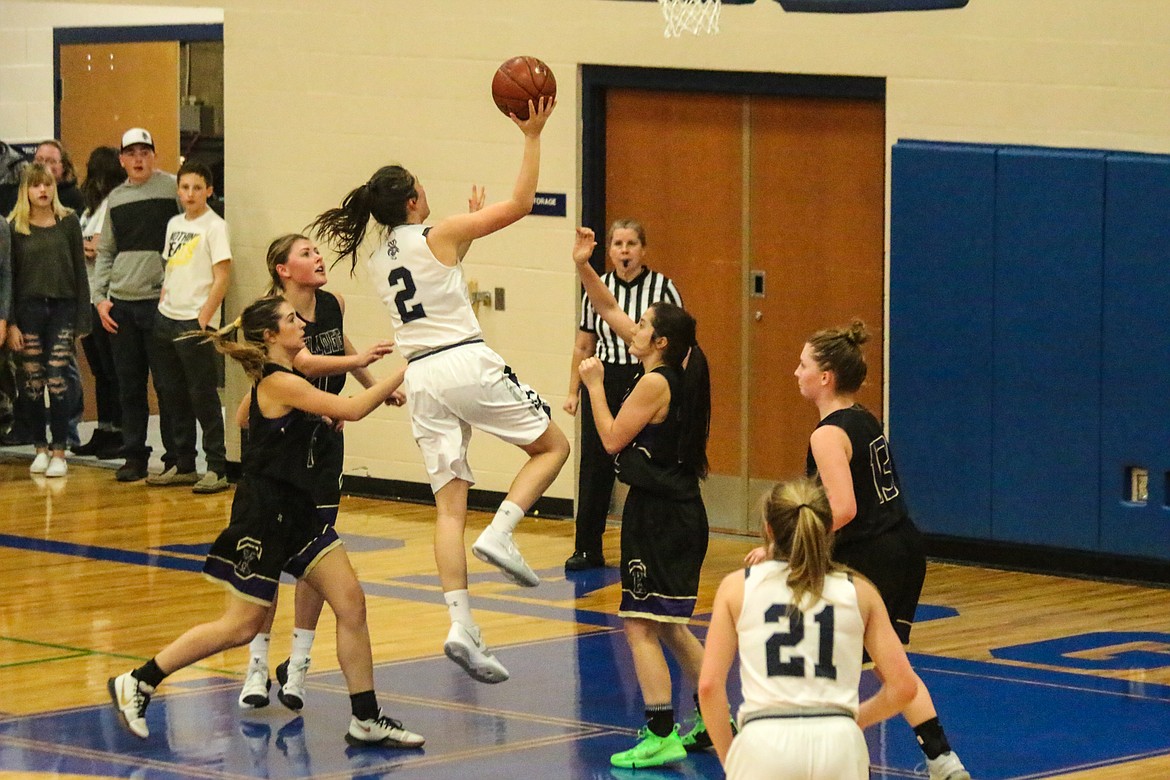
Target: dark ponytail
x=683 y=353
x=383 y=197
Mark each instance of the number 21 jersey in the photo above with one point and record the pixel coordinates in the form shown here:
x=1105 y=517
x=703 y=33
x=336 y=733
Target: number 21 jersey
x=428 y=301
x=807 y=658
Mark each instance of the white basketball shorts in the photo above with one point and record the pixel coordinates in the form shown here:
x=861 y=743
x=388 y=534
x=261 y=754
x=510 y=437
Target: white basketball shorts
x=825 y=748
x=467 y=386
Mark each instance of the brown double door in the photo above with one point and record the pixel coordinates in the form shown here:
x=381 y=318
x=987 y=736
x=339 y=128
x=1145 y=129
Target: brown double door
x=107 y=88
x=768 y=213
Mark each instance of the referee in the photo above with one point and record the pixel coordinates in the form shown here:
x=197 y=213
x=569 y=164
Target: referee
x=635 y=287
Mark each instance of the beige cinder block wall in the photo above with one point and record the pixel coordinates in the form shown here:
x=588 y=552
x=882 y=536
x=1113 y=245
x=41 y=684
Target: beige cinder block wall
x=319 y=94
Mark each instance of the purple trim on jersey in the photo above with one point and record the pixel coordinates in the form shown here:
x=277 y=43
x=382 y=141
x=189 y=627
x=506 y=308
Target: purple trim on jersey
x=657 y=605
x=253 y=587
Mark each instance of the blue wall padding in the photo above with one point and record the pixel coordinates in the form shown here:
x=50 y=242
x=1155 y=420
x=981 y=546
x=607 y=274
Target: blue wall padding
x=1135 y=366
x=1049 y=212
x=940 y=380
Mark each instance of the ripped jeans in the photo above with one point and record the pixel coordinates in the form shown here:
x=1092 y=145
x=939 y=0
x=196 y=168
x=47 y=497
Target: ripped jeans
x=47 y=325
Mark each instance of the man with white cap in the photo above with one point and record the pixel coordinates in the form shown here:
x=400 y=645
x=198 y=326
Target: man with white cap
x=128 y=275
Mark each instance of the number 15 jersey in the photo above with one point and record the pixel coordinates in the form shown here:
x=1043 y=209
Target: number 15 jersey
x=428 y=301
x=808 y=658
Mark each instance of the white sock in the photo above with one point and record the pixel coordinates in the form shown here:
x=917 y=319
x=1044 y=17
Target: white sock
x=459 y=607
x=508 y=516
x=259 y=648
x=302 y=644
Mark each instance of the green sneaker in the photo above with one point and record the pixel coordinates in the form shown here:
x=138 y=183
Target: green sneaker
x=697 y=738
x=651 y=750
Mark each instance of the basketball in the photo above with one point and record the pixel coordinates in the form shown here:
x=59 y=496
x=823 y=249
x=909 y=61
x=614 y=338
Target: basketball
x=519 y=80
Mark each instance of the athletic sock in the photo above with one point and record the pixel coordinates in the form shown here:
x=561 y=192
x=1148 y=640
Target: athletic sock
x=258 y=648
x=149 y=674
x=459 y=607
x=508 y=516
x=364 y=705
x=302 y=644
x=931 y=738
x=660 y=719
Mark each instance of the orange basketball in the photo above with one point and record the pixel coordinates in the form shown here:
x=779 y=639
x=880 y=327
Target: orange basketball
x=519 y=80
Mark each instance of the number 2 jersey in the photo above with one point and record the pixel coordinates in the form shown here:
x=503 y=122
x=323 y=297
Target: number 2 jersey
x=428 y=301
x=806 y=659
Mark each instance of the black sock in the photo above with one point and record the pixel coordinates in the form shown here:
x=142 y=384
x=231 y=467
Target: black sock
x=660 y=719
x=697 y=709
x=149 y=673
x=931 y=738
x=364 y=705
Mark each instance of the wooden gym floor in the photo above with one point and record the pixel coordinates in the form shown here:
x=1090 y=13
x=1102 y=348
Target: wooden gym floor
x=1034 y=676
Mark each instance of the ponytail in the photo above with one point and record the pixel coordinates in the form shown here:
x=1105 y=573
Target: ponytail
x=800 y=523
x=384 y=198
x=696 y=412
x=259 y=317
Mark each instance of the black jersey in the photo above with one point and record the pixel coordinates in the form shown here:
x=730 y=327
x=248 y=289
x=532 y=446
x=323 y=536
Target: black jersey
x=325 y=336
x=651 y=461
x=876 y=489
x=282 y=449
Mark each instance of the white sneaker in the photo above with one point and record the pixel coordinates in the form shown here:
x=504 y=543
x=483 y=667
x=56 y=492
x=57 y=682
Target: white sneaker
x=381 y=732
x=465 y=647
x=256 y=684
x=292 y=684
x=57 y=468
x=40 y=463
x=947 y=767
x=499 y=550
x=131 y=696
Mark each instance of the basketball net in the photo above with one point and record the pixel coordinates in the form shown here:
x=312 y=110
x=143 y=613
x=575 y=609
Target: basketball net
x=693 y=16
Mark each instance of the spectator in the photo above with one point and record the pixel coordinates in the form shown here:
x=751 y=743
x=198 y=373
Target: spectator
x=53 y=156
x=7 y=377
x=199 y=260
x=51 y=293
x=103 y=173
x=128 y=276
x=12 y=162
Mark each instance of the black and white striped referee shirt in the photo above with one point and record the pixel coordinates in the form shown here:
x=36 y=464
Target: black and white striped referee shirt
x=634 y=297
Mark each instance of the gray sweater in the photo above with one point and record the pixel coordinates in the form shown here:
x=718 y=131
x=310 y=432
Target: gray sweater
x=129 y=264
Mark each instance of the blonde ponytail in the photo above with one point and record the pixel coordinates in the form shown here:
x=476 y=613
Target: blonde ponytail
x=797 y=514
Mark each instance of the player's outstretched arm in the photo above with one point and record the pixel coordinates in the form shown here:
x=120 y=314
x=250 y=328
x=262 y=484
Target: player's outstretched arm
x=600 y=296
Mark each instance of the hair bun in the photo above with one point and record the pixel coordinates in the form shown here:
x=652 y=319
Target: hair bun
x=857 y=333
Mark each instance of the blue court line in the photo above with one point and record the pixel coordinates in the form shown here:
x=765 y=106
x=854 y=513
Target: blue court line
x=100 y=553
x=581 y=583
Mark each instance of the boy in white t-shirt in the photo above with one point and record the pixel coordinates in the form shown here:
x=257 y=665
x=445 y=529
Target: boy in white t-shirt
x=198 y=258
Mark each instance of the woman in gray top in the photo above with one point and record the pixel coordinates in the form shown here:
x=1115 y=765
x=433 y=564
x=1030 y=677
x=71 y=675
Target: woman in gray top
x=51 y=295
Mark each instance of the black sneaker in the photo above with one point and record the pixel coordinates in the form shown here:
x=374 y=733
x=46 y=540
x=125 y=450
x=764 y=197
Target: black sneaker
x=90 y=447
x=583 y=559
x=132 y=470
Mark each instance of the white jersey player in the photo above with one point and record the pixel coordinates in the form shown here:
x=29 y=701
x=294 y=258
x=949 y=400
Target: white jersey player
x=454 y=382
x=798 y=624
